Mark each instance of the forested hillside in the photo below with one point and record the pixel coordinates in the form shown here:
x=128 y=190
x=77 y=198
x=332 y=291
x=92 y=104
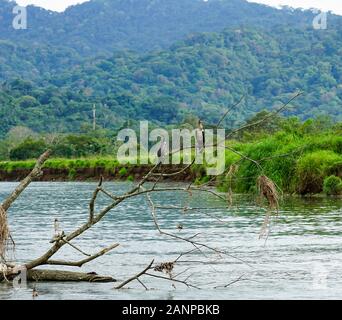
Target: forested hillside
x=55 y=71
x=55 y=41
x=201 y=75
x=35 y=62
x=100 y=26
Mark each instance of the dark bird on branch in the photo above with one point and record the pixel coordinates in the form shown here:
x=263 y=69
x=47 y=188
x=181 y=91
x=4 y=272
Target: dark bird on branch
x=162 y=151
x=34 y=293
x=200 y=136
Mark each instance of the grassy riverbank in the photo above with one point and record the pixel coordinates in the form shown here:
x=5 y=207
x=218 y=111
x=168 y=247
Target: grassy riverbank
x=300 y=157
x=83 y=169
x=298 y=163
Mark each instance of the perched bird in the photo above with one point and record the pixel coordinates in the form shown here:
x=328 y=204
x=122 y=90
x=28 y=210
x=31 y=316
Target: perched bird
x=34 y=293
x=162 y=151
x=200 y=137
x=57 y=228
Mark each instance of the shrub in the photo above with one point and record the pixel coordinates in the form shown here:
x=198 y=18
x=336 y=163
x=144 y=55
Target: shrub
x=335 y=169
x=75 y=146
x=312 y=168
x=123 y=172
x=332 y=185
x=29 y=149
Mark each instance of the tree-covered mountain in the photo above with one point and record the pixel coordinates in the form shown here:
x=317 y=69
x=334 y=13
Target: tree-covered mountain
x=35 y=62
x=123 y=56
x=54 y=42
x=201 y=76
x=100 y=26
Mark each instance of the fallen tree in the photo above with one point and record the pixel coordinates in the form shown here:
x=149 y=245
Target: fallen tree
x=149 y=184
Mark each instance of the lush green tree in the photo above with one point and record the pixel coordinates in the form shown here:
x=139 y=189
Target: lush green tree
x=28 y=149
x=74 y=146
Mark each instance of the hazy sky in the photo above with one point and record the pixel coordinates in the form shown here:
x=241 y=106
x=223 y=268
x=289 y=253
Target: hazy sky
x=56 y=5
x=333 y=5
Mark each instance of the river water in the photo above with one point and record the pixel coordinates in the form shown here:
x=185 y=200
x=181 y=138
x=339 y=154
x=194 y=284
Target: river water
x=302 y=258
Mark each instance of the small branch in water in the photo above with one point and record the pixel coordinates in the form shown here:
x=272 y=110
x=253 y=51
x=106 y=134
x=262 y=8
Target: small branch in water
x=5 y=234
x=84 y=261
x=230 y=283
x=174 y=280
x=136 y=277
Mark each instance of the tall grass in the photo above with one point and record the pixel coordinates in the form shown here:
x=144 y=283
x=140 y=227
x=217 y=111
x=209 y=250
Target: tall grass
x=296 y=163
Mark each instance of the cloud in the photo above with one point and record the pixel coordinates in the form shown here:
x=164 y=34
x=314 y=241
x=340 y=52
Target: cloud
x=326 y=5
x=54 y=5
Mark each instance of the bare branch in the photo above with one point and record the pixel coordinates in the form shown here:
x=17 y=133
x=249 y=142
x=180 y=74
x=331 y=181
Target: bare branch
x=232 y=282
x=36 y=172
x=93 y=199
x=272 y=114
x=229 y=110
x=177 y=172
x=173 y=280
x=189 y=240
x=84 y=261
x=136 y=277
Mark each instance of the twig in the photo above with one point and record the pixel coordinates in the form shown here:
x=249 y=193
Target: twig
x=250 y=125
x=172 y=279
x=232 y=282
x=229 y=109
x=136 y=277
x=84 y=261
x=93 y=199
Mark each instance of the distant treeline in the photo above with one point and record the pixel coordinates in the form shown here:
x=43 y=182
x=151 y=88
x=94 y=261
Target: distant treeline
x=301 y=157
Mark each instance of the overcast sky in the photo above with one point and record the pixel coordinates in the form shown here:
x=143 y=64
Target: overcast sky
x=56 y=5
x=326 y=5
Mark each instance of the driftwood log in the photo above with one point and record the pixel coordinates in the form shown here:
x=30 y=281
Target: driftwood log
x=65 y=276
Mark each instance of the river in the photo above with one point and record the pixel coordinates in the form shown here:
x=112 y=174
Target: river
x=302 y=258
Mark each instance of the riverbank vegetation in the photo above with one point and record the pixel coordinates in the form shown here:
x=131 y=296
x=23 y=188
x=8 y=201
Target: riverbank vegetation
x=300 y=157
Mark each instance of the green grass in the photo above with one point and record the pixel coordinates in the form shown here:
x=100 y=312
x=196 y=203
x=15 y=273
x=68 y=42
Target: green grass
x=67 y=164
x=309 y=160
x=296 y=163
x=332 y=185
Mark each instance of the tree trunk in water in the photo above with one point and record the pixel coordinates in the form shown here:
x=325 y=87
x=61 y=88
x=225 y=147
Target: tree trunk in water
x=61 y=275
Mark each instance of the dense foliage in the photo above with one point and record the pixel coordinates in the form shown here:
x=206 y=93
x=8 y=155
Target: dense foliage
x=99 y=26
x=202 y=75
x=63 y=63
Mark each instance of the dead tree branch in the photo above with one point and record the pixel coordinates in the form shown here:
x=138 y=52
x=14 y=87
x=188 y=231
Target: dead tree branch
x=228 y=111
x=84 y=261
x=35 y=173
x=269 y=116
x=136 y=277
